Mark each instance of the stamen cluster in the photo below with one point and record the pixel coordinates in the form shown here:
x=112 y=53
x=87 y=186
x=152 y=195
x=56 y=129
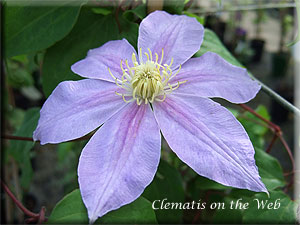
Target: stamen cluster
x=146 y=81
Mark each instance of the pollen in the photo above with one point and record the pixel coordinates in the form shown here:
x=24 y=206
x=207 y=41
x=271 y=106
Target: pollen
x=146 y=82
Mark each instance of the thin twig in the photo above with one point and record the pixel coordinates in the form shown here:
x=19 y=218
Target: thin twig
x=272 y=143
x=290 y=107
x=258 y=122
x=117 y=15
x=17 y=202
x=13 y=137
x=274 y=127
x=34 y=217
x=288 y=150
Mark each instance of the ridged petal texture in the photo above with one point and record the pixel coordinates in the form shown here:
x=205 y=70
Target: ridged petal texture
x=120 y=160
x=208 y=138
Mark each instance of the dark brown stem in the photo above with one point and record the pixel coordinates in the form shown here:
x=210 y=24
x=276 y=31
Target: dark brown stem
x=272 y=143
x=12 y=137
x=117 y=16
x=274 y=127
x=34 y=217
x=17 y=202
x=254 y=121
x=286 y=146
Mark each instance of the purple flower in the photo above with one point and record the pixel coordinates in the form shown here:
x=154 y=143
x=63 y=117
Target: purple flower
x=137 y=95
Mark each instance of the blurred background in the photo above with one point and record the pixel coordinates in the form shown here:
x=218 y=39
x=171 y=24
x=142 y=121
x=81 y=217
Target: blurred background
x=256 y=32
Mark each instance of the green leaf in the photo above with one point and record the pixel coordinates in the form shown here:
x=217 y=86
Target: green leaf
x=15 y=116
x=138 y=212
x=285 y=213
x=72 y=210
x=102 y=11
x=129 y=30
x=227 y=215
x=17 y=75
x=200 y=19
x=174 y=6
x=212 y=43
x=257 y=128
x=90 y=31
x=166 y=184
x=69 y=210
x=140 y=11
x=30 y=28
x=269 y=169
x=203 y=183
x=63 y=149
x=20 y=150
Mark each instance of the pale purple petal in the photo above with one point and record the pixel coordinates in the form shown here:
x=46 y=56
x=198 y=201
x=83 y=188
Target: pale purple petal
x=76 y=108
x=109 y=55
x=179 y=36
x=211 y=76
x=120 y=160
x=208 y=138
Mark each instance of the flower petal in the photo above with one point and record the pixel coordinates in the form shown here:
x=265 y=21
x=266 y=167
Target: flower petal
x=120 y=160
x=208 y=138
x=76 y=108
x=211 y=76
x=179 y=36
x=109 y=55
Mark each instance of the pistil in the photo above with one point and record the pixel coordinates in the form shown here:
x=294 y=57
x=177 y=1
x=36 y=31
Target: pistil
x=146 y=81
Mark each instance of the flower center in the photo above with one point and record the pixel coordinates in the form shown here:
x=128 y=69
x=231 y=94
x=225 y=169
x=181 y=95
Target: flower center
x=146 y=81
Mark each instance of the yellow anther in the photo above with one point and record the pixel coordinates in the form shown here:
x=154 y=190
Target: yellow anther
x=147 y=56
x=172 y=89
x=133 y=58
x=156 y=58
x=111 y=74
x=161 y=100
x=150 y=53
x=129 y=69
x=121 y=65
x=171 y=62
x=141 y=56
x=119 y=85
x=162 y=56
x=176 y=72
x=125 y=99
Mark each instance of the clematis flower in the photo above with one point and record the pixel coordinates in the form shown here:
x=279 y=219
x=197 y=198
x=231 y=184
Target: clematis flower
x=137 y=95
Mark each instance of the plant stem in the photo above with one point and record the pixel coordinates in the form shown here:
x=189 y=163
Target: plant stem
x=274 y=127
x=272 y=143
x=17 y=202
x=12 y=137
x=34 y=217
x=277 y=97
